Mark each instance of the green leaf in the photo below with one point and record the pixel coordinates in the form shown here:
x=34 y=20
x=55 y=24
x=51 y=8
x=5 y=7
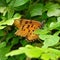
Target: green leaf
x=50 y=20
x=9 y=21
x=11 y=4
x=41 y=31
x=1 y=22
x=36 y=10
x=8 y=1
x=57 y=33
x=52 y=9
x=51 y=5
x=36 y=52
x=20 y=8
x=2 y=33
x=2 y=27
x=58 y=19
x=9 y=36
x=53 y=12
x=4 y=51
x=45 y=56
x=49 y=40
x=16 y=52
x=10 y=13
x=14 y=41
x=2 y=9
x=11 y=58
x=53 y=53
x=20 y=2
x=30 y=51
x=23 y=42
x=17 y=16
x=54 y=25
x=3 y=44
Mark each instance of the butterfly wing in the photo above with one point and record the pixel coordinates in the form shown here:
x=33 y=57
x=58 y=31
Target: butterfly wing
x=33 y=26
x=26 y=28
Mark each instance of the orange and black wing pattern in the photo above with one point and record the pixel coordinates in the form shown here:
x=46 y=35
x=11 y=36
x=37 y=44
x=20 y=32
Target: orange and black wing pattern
x=26 y=28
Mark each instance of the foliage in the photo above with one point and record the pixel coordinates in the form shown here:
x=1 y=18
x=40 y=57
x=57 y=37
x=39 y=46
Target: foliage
x=48 y=45
x=43 y=53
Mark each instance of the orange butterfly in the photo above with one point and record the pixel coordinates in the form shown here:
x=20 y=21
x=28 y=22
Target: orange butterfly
x=26 y=28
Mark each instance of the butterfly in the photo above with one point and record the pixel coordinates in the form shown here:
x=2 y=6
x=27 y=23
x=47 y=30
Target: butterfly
x=26 y=28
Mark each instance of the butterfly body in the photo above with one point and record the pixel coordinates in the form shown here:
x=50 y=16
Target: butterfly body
x=26 y=28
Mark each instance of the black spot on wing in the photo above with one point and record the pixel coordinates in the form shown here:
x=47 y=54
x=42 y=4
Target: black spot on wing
x=28 y=26
x=29 y=31
x=26 y=22
x=21 y=22
x=32 y=30
x=32 y=25
x=23 y=26
x=24 y=29
x=30 y=21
